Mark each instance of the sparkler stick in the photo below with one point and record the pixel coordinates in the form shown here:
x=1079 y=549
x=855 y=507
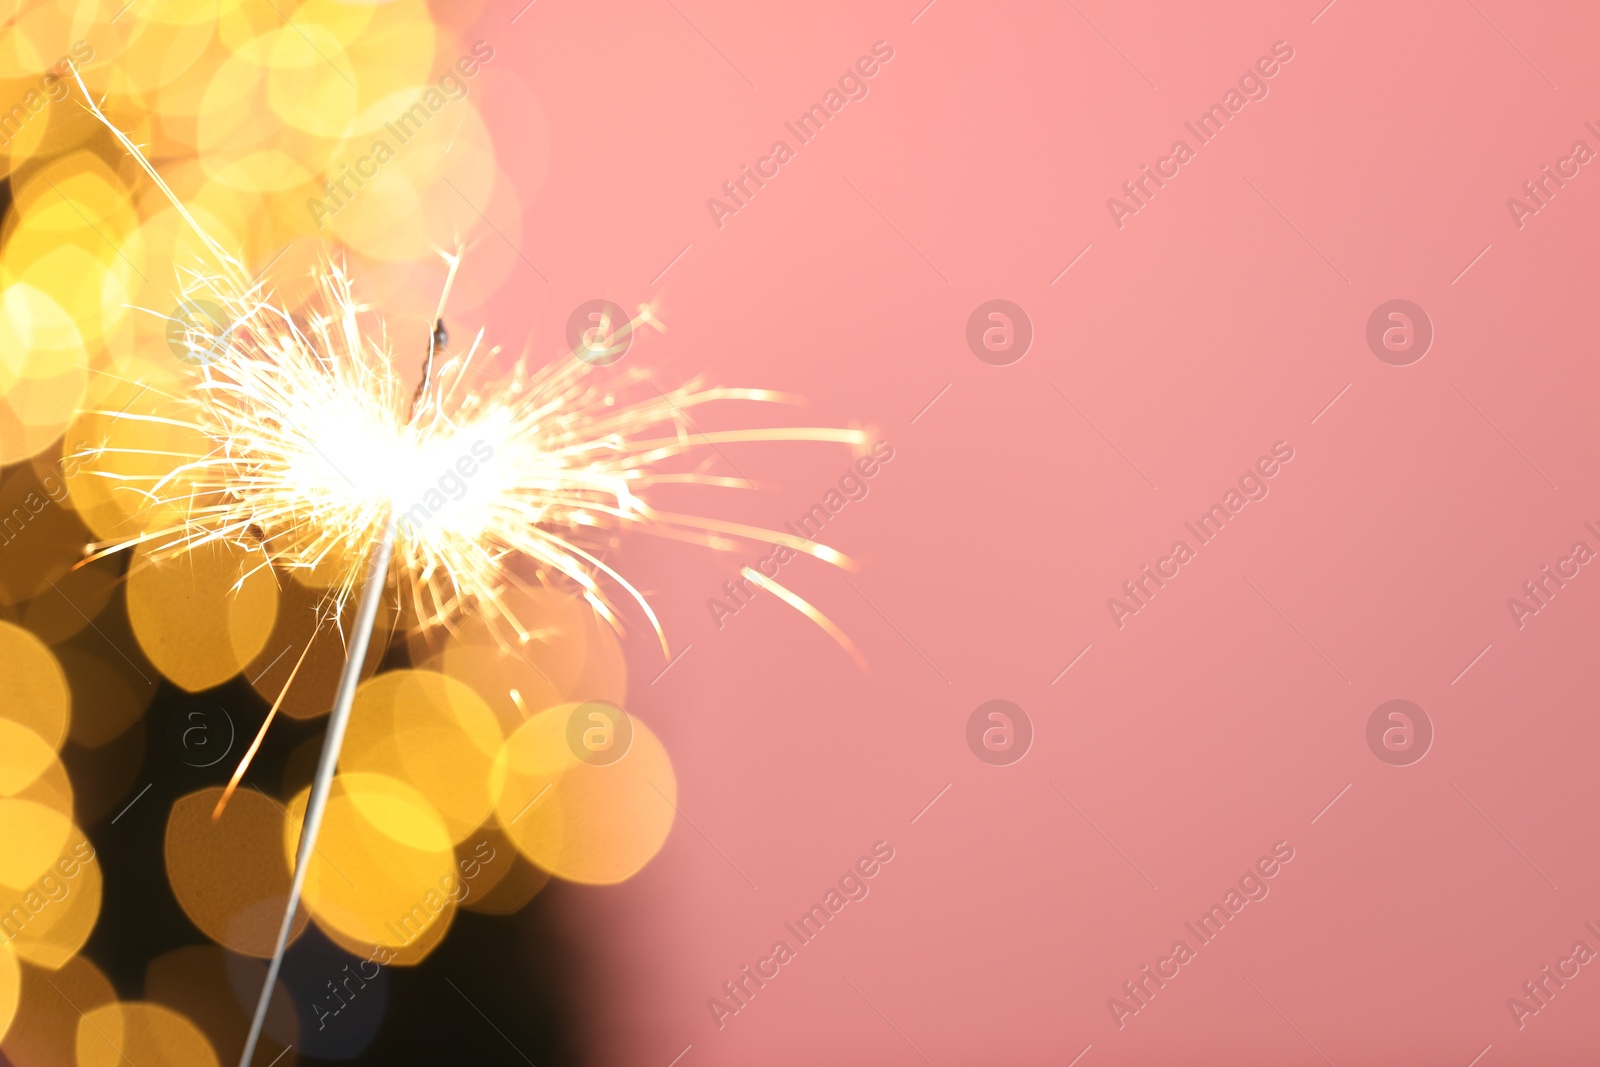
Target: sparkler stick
x=280 y=392
x=322 y=784
x=344 y=699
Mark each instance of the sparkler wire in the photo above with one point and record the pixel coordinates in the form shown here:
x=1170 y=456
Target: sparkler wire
x=322 y=784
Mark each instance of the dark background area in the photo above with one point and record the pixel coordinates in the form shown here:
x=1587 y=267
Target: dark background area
x=499 y=989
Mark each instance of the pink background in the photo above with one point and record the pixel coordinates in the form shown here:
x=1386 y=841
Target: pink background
x=1222 y=318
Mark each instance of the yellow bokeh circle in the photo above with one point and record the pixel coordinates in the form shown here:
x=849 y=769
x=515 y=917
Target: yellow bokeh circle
x=134 y=439
x=43 y=370
x=34 y=834
x=24 y=756
x=33 y=688
x=48 y=921
x=140 y=1033
x=44 y=1033
x=579 y=820
x=431 y=732
x=202 y=615
x=383 y=872
x=229 y=875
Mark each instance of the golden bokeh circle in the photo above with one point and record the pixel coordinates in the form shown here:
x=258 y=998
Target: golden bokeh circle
x=49 y=920
x=44 y=1033
x=33 y=688
x=203 y=615
x=432 y=732
x=24 y=756
x=131 y=443
x=585 y=822
x=34 y=834
x=135 y=1032
x=43 y=369
x=383 y=872
x=229 y=875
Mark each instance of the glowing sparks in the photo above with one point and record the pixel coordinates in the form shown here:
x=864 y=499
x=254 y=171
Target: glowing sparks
x=312 y=452
x=828 y=626
x=315 y=445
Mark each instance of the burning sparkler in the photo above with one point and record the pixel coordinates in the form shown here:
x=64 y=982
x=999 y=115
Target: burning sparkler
x=320 y=458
